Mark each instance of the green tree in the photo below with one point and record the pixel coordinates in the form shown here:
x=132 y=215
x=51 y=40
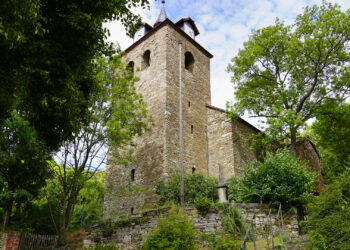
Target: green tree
x=331 y=133
x=285 y=72
x=195 y=186
x=116 y=114
x=23 y=164
x=93 y=192
x=47 y=52
x=279 y=179
x=173 y=232
x=329 y=217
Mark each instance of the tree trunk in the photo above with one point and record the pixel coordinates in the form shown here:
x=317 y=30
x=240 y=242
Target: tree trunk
x=7 y=213
x=62 y=230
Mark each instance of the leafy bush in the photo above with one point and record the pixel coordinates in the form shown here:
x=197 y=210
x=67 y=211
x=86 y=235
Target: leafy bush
x=173 y=232
x=329 y=218
x=202 y=205
x=233 y=223
x=195 y=186
x=281 y=178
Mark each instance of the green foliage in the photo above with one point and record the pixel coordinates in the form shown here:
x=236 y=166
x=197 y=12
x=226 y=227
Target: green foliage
x=279 y=179
x=116 y=114
x=285 y=72
x=195 y=186
x=329 y=217
x=48 y=48
x=173 y=232
x=93 y=192
x=202 y=205
x=331 y=133
x=24 y=161
x=233 y=222
x=220 y=241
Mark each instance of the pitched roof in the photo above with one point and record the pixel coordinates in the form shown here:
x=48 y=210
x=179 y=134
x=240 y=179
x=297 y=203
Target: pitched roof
x=178 y=29
x=239 y=118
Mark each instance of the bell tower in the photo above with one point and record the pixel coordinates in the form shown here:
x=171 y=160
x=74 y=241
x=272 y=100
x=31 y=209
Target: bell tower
x=164 y=56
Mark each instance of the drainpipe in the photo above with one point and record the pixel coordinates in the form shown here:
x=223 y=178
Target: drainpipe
x=182 y=195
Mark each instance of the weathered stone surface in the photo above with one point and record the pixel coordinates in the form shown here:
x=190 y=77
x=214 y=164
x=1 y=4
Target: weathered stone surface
x=208 y=136
x=227 y=143
x=130 y=236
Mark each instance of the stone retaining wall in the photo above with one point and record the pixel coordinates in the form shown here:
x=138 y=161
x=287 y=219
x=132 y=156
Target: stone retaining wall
x=131 y=232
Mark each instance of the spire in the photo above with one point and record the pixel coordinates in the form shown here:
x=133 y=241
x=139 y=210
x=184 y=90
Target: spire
x=162 y=15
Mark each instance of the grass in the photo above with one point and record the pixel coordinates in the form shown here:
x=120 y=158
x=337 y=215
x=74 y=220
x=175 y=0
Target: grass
x=262 y=244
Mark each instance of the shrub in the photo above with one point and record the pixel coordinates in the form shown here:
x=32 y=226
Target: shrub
x=329 y=218
x=281 y=178
x=202 y=205
x=233 y=223
x=173 y=232
x=195 y=186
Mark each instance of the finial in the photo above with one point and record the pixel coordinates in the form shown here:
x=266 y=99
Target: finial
x=162 y=15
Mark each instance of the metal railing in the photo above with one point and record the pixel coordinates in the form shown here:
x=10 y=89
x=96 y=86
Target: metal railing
x=269 y=228
x=250 y=227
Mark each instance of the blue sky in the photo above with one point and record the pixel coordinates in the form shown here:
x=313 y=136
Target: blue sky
x=223 y=25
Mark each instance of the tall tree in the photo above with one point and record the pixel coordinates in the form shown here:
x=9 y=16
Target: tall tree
x=47 y=51
x=331 y=133
x=116 y=114
x=23 y=163
x=285 y=72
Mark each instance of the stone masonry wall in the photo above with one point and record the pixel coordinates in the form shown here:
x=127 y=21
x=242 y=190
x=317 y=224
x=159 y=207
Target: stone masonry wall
x=195 y=94
x=220 y=147
x=227 y=143
x=123 y=194
x=131 y=233
x=157 y=152
x=242 y=154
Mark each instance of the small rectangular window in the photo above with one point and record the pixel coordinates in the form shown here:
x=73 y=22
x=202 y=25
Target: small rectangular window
x=191 y=129
x=132 y=211
x=189 y=104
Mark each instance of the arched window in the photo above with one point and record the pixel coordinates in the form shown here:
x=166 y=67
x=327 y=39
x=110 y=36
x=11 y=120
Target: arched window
x=146 y=62
x=131 y=65
x=189 y=61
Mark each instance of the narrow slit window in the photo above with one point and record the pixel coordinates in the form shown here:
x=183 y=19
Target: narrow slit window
x=191 y=129
x=132 y=211
x=193 y=170
x=189 y=104
x=189 y=61
x=132 y=174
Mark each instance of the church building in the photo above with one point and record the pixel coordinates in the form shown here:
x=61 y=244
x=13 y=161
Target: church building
x=169 y=57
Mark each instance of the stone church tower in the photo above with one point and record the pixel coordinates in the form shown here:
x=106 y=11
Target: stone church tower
x=163 y=56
